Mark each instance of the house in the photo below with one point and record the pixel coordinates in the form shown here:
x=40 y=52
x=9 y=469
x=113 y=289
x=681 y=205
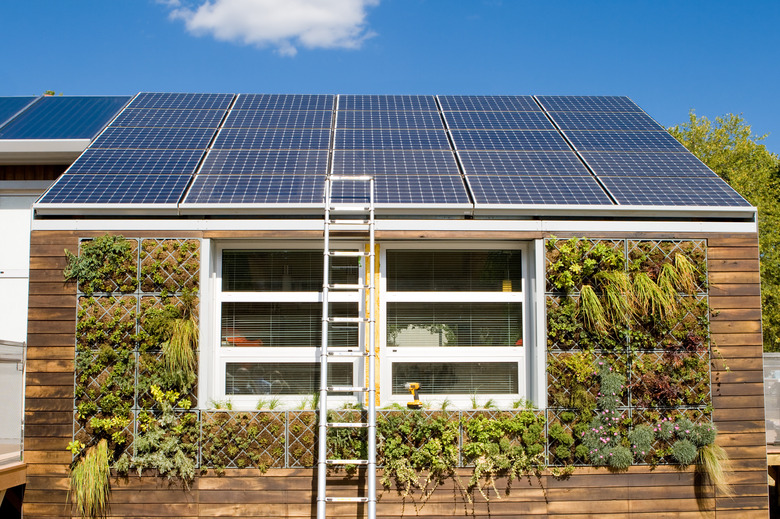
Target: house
x=501 y=225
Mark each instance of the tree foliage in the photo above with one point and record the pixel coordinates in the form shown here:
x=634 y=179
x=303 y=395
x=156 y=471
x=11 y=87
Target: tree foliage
x=728 y=146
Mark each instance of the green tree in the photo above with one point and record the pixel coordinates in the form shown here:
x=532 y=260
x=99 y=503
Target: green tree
x=730 y=149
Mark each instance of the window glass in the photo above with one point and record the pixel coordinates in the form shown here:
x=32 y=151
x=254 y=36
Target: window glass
x=271 y=270
x=454 y=270
x=454 y=324
x=436 y=378
x=282 y=378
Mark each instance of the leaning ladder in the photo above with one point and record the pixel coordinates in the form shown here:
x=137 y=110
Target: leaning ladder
x=349 y=218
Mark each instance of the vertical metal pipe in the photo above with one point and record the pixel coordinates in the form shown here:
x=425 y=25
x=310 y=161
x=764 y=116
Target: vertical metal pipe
x=322 y=447
x=371 y=432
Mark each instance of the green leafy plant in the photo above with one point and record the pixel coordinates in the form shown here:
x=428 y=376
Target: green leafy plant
x=104 y=264
x=89 y=481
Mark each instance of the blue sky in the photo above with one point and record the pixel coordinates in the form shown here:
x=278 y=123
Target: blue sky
x=716 y=57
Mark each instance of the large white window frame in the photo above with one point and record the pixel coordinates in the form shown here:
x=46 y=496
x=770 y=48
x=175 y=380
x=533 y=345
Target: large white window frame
x=221 y=356
x=511 y=354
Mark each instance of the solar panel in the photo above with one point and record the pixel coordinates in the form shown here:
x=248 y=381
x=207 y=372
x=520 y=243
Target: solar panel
x=396 y=162
x=166 y=118
x=690 y=191
x=405 y=189
x=256 y=189
x=498 y=121
x=529 y=140
x=522 y=163
x=63 y=118
x=155 y=138
x=272 y=139
x=10 y=106
x=489 y=103
x=279 y=119
x=284 y=102
x=377 y=102
x=391 y=140
x=376 y=119
x=256 y=162
x=557 y=190
x=623 y=121
x=116 y=189
x=636 y=164
x=134 y=162
x=588 y=104
x=623 y=141
x=182 y=101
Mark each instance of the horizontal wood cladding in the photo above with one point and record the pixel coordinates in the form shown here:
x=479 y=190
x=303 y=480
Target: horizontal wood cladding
x=642 y=492
x=31 y=171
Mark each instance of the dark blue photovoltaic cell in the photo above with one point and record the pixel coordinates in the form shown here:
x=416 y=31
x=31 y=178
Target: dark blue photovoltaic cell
x=154 y=138
x=588 y=104
x=498 y=121
x=256 y=189
x=690 y=191
x=623 y=141
x=284 y=102
x=384 y=119
x=279 y=119
x=632 y=121
x=59 y=117
x=404 y=189
x=272 y=139
x=391 y=140
x=522 y=163
x=537 y=190
x=135 y=162
x=10 y=106
x=395 y=162
x=376 y=102
x=117 y=189
x=635 y=164
x=528 y=140
x=489 y=103
x=256 y=162
x=165 y=118
x=182 y=101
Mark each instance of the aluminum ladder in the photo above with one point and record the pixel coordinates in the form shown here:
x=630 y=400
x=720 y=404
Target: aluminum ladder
x=352 y=219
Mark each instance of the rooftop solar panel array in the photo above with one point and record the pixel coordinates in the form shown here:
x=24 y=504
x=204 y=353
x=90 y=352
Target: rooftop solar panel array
x=487 y=151
x=10 y=106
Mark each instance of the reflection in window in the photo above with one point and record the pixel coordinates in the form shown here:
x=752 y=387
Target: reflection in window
x=454 y=270
x=437 y=378
x=276 y=378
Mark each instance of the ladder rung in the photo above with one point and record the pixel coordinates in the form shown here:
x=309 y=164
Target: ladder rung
x=348 y=319
x=346 y=462
x=349 y=208
x=347 y=286
x=354 y=178
x=349 y=222
x=348 y=253
x=347 y=389
x=347 y=353
x=346 y=499
x=348 y=425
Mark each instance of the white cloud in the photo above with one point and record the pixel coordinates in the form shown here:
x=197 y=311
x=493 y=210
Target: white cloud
x=283 y=24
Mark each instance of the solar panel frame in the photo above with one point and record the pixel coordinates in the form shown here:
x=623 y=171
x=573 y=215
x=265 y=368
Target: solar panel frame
x=116 y=189
x=134 y=162
x=388 y=102
x=182 y=101
x=536 y=190
x=284 y=102
x=387 y=119
x=302 y=119
x=394 y=162
x=588 y=104
x=450 y=103
x=265 y=162
x=623 y=141
x=637 y=164
x=271 y=139
x=514 y=163
x=168 y=118
x=154 y=138
x=623 y=121
x=525 y=140
x=411 y=139
x=670 y=191
x=498 y=121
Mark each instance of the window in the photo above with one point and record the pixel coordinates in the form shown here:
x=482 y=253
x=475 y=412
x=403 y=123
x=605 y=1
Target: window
x=269 y=308
x=454 y=323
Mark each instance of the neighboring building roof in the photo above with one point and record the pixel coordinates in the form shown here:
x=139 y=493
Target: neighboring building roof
x=225 y=153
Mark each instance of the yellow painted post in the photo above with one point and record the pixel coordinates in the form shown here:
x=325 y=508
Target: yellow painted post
x=377 y=332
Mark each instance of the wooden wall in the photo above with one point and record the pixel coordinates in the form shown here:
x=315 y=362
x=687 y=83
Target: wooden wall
x=640 y=492
x=32 y=171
